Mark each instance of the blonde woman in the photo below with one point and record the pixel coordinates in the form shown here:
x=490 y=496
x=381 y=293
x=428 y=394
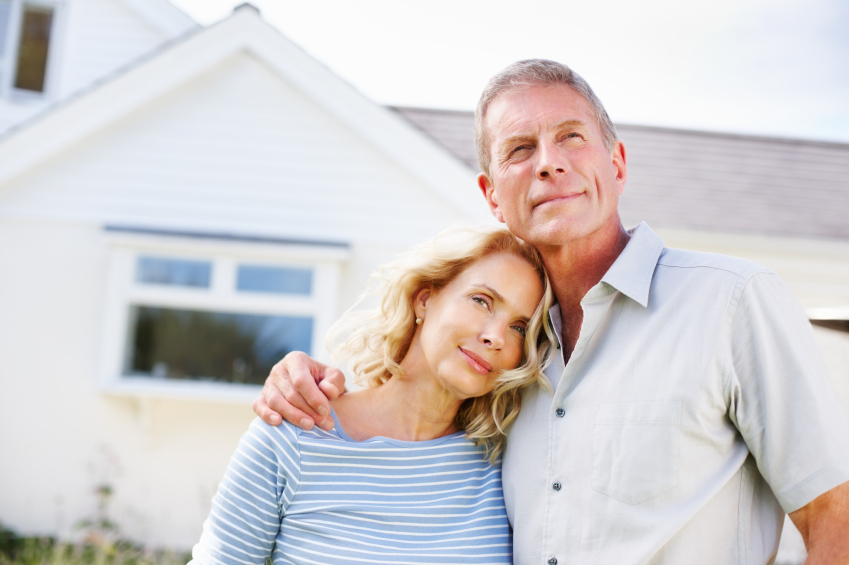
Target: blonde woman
x=411 y=472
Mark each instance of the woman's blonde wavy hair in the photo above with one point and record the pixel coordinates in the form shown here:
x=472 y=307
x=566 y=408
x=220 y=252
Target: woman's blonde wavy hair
x=377 y=339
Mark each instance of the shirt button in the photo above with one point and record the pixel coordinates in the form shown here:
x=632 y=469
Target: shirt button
x=560 y=412
x=556 y=486
x=552 y=561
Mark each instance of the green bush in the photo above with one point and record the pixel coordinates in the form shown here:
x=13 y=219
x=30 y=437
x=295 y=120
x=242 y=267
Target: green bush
x=16 y=550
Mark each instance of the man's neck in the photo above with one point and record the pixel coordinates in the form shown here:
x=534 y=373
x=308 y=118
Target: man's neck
x=574 y=268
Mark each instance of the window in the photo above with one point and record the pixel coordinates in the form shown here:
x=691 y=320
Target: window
x=27 y=30
x=33 y=46
x=196 y=317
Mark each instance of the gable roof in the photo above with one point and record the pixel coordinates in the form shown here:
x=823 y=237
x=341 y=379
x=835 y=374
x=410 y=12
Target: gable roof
x=707 y=181
x=76 y=120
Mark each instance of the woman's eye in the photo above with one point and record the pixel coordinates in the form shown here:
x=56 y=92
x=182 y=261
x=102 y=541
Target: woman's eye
x=481 y=300
x=521 y=329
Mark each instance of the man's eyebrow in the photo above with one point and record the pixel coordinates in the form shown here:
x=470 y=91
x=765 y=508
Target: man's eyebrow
x=571 y=123
x=513 y=139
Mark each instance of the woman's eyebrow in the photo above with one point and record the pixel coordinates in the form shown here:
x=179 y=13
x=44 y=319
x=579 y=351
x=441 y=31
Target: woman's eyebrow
x=492 y=291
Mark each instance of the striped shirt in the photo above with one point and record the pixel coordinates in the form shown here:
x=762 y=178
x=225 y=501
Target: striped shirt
x=318 y=497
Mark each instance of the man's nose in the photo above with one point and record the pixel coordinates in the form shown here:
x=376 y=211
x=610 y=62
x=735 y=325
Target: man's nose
x=552 y=161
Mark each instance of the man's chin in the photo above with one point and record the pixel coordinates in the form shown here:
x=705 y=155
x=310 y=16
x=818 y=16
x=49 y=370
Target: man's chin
x=553 y=232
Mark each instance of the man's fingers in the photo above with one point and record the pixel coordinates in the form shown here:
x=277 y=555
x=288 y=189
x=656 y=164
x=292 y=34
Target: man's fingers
x=305 y=374
x=290 y=411
x=333 y=383
x=292 y=391
x=267 y=415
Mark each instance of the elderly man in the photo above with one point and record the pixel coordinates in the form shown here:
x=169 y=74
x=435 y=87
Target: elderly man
x=691 y=409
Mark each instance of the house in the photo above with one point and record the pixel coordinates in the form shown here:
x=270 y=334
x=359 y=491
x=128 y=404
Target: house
x=218 y=183
x=158 y=180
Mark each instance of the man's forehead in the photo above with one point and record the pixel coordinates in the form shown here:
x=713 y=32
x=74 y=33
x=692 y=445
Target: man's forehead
x=525 y=110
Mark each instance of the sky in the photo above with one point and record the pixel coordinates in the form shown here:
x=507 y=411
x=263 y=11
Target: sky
x=764 y=67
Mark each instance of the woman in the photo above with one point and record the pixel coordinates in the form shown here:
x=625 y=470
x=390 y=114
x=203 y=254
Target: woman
x=411 y=472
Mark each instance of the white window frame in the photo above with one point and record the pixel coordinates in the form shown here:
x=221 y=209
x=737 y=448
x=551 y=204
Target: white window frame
x=9 y=60
x=124 y=292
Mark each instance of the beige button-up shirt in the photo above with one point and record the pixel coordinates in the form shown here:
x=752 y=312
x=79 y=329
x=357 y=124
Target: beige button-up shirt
x=695 y=410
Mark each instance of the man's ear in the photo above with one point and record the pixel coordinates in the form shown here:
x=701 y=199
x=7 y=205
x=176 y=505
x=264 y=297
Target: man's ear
x=620 y=165
x=491 y=199
x=420 y=301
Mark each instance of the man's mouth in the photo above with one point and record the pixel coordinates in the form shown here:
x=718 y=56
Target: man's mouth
x=476 y=362
x=555 y=199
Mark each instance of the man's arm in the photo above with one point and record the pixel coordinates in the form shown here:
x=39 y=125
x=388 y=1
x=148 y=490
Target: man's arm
x=299 y=389
x=824 y=525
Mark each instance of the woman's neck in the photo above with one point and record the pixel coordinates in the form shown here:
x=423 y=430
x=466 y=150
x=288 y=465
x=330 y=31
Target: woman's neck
x=406 y=408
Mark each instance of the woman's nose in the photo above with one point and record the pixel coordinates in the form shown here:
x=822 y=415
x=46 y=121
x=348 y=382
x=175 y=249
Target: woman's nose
x=493 y=335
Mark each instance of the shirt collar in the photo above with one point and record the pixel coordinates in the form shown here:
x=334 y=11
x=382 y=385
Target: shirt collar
x=632 y=271
x=630 y=274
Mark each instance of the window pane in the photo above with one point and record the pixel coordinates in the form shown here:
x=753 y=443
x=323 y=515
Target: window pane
x=5 y=8
x=33 y=48
x=284 y=280
x=212 y=346
x=181 y=272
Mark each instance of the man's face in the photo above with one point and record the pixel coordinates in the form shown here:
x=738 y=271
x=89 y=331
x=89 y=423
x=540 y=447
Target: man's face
x=552 y=181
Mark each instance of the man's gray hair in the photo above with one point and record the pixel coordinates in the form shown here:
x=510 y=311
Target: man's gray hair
x=535 y=72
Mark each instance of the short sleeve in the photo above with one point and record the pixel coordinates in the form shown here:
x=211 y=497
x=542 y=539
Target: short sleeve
x=782 y=400
x=252 y=498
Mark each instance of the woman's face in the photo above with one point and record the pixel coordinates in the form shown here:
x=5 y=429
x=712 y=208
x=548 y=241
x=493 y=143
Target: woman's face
x=474 y=328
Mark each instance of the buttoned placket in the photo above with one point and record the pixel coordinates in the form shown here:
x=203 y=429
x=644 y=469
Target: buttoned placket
x=594 y=305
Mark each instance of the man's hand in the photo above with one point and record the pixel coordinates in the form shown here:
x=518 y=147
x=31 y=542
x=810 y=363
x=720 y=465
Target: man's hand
x=824 y=525
x=300 y=390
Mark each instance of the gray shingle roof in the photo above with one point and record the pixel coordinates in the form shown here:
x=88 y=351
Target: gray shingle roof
x=708 y=181
x=452 y=129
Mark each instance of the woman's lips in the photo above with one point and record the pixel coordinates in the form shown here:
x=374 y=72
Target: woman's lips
x=476 y=362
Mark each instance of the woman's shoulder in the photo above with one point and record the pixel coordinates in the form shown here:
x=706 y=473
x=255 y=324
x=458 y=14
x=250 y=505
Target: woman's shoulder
x=284 y=436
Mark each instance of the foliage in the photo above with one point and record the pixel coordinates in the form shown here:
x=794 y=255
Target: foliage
x=100 y=544
x=47 y=551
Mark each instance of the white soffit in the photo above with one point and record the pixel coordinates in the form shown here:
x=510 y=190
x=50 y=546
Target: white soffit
x=245 y=31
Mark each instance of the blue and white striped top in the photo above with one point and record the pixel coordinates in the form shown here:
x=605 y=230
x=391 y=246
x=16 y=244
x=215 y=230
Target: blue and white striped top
x=317 y=497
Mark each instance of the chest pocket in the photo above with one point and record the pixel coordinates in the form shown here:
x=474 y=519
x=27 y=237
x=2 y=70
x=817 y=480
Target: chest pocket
x=635 y=449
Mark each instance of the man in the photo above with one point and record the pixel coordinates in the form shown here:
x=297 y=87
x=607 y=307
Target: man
x=690 y=410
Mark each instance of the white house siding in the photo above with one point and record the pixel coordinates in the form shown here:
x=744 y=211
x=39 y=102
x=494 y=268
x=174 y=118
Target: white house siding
x=61 y=437
x=236 y=150
x=92 y=40
x=103 y=36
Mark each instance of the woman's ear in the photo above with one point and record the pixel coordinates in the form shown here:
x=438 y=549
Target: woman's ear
x=421 y=300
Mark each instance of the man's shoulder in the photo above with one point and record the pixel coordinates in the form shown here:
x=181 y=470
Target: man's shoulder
x=703 y=264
